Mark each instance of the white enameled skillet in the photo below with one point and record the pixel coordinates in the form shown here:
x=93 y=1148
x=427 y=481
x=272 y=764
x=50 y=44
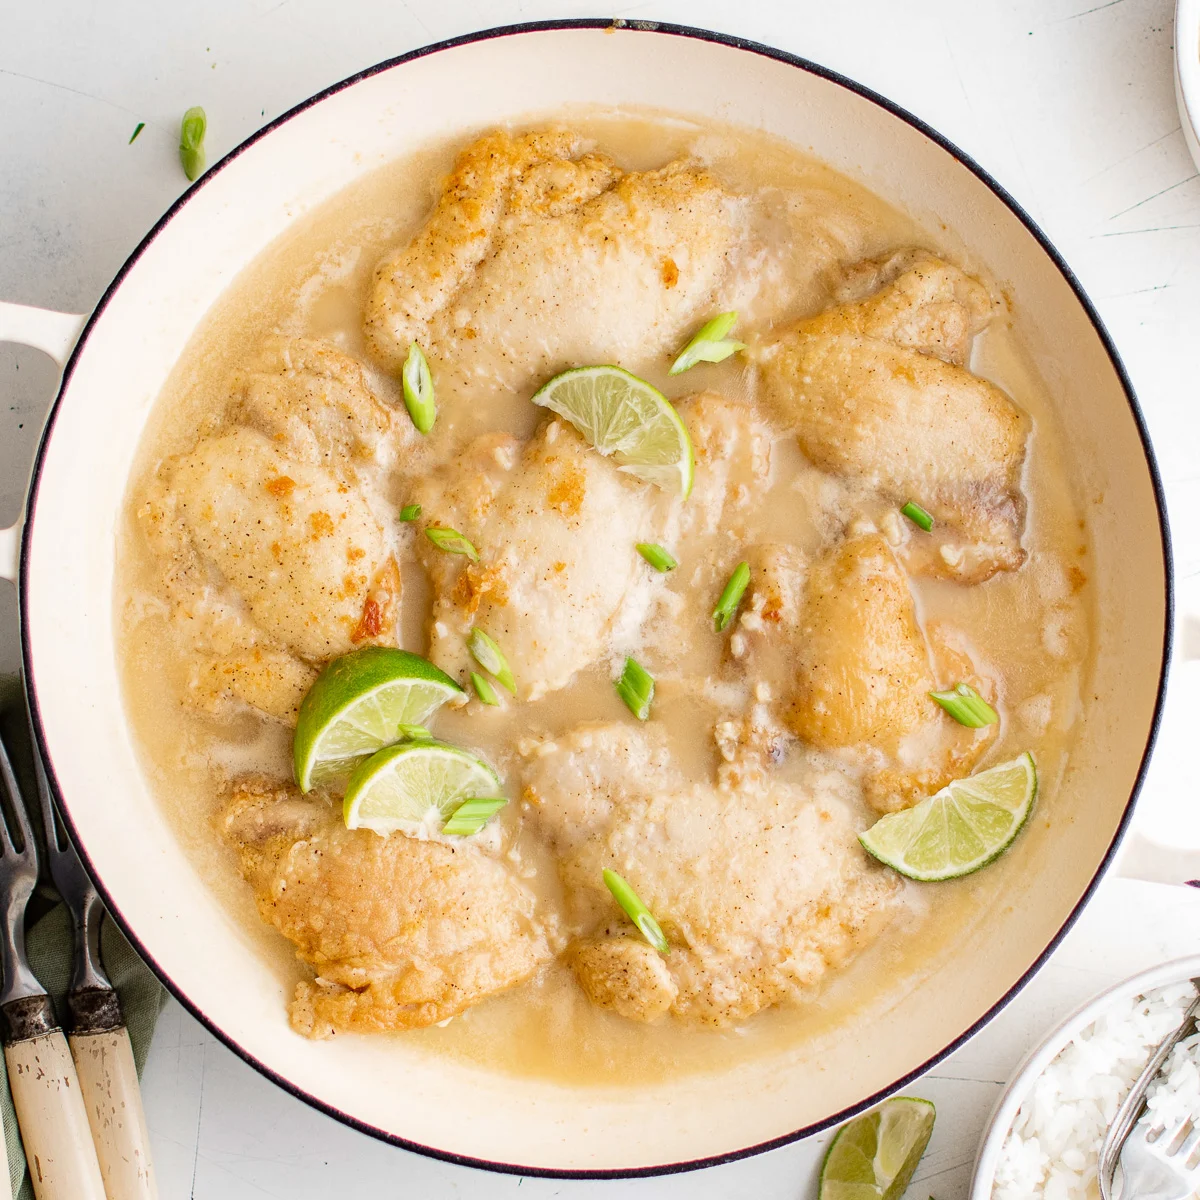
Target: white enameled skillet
x=115 y=364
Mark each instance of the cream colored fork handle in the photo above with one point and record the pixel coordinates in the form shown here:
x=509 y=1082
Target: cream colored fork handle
x=113 y=1098
x=54 y=1125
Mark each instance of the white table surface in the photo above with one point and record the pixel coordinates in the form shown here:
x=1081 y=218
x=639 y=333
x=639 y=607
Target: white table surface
x=1068 y=103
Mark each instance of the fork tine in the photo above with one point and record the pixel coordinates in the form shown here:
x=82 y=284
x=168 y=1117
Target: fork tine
x=1190 y=1141
x=50 y=821
x=14 y=810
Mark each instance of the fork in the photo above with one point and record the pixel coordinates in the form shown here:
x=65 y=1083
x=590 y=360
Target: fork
x=41 y=1076
x=98 y=1037
x=1159 y=1163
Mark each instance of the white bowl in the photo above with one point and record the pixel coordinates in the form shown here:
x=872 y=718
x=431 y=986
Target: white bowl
x=1038 y=1059
x=1187 y=72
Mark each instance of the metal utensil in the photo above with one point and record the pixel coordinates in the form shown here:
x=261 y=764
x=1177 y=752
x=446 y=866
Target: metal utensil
x=1145 y=1161
x=98 y=1037
x=41 y=1075
x=1161 y=1164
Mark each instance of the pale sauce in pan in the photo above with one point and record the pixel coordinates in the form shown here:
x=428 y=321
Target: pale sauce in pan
x=1031 y=626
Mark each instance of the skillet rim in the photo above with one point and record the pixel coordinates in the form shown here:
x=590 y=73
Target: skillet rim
x=734 y=42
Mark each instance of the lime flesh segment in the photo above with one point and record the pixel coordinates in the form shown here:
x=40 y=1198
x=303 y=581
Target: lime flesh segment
x=357 y=705
x=626 y=417
x=874 y=1156
x=414 y=787
x=965 y=826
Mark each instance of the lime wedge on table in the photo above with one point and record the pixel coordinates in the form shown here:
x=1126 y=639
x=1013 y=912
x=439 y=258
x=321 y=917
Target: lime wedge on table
x=961 y=828
x=874 y=1156
x=622 y=415
x=357 y=706
x=414 y=785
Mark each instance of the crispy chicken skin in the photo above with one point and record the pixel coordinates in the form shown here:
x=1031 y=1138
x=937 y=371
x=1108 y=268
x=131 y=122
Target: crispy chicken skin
x=316 y=405
x=539 y=255
x=864 y=669
x=555 y=525
x=760 y=889
x=270 y=561
x=401 y=932
x=877 y=390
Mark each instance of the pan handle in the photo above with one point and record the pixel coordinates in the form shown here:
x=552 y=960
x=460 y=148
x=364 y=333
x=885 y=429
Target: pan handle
x=55 y=334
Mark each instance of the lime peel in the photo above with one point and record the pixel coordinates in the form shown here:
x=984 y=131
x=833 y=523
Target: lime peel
x=874 y=1156
x=358 y=704
x=414 y=787
x=625 y=417
x=960 y=829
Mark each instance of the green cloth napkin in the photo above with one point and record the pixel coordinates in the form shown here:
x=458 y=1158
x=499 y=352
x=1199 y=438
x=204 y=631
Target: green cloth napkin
x=49 y=943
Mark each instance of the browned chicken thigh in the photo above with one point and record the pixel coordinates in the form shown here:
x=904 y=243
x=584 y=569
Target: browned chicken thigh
x=401 y=932
x=877 y=390
x=761 y=888
x=841 y=645
x=539 y=255
x=270 y=560
x=555 y=525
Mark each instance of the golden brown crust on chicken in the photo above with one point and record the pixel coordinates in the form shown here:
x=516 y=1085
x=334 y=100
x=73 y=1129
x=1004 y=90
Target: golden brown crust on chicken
x=864 y=671
x=401 y=932
x=555 y=535
x=271 y=558
x=874 y=390
x=538 y=256
x=760 y=888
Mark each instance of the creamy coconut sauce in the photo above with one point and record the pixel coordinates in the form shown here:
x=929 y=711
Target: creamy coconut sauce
x=1030 y=628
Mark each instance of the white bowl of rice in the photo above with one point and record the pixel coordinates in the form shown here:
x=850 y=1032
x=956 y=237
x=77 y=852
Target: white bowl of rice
x=1044 y=1136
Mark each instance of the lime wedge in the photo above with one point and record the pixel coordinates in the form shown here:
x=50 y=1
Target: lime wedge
x=963 y=827
x=622 y=415
x=874 y=1156
x=357 y=705
x=414 y=786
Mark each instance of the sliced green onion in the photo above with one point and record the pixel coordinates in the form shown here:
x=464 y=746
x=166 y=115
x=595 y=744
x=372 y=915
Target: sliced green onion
x=472 y=815
x=410 y=512
x=711 y=344
x=491 y=658
x=451 y=541
x=191 y=142
x=413 y=733
x=731 y=597
x=918 y=516
x=636 y=688
x=966 y=706
x=133 y=137
x=484 y=690
x=636 y=911
x=417 y=382
x=656 y=556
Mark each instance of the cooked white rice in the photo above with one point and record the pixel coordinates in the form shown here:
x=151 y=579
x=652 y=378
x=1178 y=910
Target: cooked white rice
x=1052 y=1147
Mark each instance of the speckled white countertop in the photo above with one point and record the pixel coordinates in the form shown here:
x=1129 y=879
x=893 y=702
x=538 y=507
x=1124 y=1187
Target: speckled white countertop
x=1067 y=102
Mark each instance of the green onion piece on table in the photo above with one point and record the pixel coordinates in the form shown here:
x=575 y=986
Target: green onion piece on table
x=636 y=911
x=711 y=344
x=636 y=688
x=410 y=512
x=451 y=541
x=417 y=381
x=731 y=597
x=413 y=733
x=137 y=129
x=966 y=706
x=472 y=815
x=918 y=516
x=191 y=142
x=484 y=690
x=656 y=556
x=491 y=658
